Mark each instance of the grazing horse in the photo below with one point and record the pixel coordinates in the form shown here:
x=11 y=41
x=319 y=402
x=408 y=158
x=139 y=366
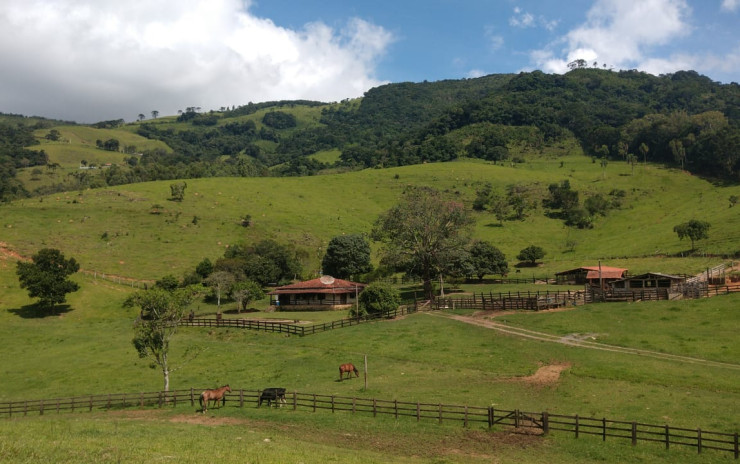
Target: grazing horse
x=272 y=394
x=213 y=395
x=348 y=368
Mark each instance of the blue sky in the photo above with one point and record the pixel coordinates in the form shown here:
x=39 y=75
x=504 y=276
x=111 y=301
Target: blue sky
x=105 y=59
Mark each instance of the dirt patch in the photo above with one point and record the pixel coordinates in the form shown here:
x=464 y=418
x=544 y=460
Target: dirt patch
x=545 y=376
x=6 y=252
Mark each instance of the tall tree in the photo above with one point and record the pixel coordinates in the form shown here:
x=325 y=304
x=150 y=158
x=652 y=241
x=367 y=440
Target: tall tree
x=46 y=277
x=245 y=292
x=532 y=253
x=161 y=313
x=347 y=255
x=694 y=229
x=220 y=282
x=423 y=235
x=487 y=259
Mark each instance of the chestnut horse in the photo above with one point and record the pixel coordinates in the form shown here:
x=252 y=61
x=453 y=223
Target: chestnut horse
x=348 y=368
x=213 y=395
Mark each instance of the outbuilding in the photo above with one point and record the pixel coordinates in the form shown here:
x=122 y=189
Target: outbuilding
x=590 y=275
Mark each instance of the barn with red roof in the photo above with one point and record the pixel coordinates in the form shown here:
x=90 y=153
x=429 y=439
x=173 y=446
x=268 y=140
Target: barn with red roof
x=591 y=275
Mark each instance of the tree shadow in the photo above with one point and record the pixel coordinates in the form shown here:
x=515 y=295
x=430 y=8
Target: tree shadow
x=34 y=311
x=495 y=224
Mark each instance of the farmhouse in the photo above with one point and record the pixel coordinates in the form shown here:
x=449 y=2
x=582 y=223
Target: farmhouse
x=323 y=293
x=591 y=275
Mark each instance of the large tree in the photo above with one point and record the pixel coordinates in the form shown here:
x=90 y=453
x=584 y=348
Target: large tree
x=245 y=292
x=46 y=277
x=347 y=255
x=423 y=235
x=161 y=313
x=531 y=254
x=695 y=230
x=487 y=259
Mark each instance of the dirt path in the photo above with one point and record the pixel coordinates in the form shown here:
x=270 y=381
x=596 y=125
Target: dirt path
x=578 y=340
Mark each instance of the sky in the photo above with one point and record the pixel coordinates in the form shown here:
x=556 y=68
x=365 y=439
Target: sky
x=94 y=60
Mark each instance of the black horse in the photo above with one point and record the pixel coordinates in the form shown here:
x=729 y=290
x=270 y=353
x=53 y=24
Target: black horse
x=272 y=394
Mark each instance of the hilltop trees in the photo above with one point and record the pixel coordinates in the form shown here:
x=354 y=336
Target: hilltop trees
x=46 y=277
x=347 y=255
x=423 y=235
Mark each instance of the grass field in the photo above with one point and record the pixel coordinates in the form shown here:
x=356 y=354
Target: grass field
x=423 y=357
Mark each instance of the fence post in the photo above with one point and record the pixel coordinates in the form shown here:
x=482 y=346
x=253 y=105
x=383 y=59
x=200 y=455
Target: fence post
x=576 y=425
x=418 y=418
x=440 y=413
x=91 y=403
x=634 y=433
x=516 y=418
x=192 y=397
x=698 y=440
x=41 y=410
x=395 y=408
x=314 y=402
x=466 y=417
x=667 y=437
x=332 y=404
x=241 y=397
x=603 y=429
x=737 y=448
x=490 y=416
x=295 y=402
x=545 y=423
x=375 y=407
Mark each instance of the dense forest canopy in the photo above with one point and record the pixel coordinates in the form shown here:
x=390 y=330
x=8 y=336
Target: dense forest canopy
x=682 y=119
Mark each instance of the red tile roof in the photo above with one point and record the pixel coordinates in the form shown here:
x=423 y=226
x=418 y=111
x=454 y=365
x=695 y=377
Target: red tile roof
x=324 y=284
x=592 y=272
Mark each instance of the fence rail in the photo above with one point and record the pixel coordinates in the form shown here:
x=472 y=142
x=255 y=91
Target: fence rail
x=543 y=422
x=290 y=327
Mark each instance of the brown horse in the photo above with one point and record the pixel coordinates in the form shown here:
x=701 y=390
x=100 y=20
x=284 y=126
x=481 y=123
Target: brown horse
x=213 y=395
x=348 y=368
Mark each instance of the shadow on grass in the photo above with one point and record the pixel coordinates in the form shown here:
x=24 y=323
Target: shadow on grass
x=35 y=311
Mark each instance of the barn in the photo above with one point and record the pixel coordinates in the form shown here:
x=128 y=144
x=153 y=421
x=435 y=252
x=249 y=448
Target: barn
x=590 y=275
x=324 y=293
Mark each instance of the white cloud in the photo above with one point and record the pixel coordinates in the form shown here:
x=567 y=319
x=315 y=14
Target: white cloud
x=91 y=60
x=730 y=5
x=521 y=18
x=620 y=33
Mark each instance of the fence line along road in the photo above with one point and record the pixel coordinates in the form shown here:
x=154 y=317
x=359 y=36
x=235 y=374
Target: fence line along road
x=542 y=422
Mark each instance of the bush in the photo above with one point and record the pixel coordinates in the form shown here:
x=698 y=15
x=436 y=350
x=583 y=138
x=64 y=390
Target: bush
x=378 y=298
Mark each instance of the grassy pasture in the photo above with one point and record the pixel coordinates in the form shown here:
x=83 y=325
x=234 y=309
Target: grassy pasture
x=309 y=211
x=429 y=358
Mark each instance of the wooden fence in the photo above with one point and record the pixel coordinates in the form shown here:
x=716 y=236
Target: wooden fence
x=543 y=422
x=290 y=327
x=514 y=300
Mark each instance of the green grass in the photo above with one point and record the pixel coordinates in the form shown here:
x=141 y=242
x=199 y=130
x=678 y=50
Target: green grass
x=309 y=211
x=87 y=349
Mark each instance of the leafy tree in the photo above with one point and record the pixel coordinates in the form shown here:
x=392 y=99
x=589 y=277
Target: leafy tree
x=245 y=292
x=487 y=259
x=161 y=312
x=347 y=255
x=423 y=234
x=177 y=191
x=168 y=283
x=532 y=253
x=220 y=282
x=155 y=114
x=694 y=229
x=378 y=298
x=279 y=120
x=204 y=268
x=46 y=277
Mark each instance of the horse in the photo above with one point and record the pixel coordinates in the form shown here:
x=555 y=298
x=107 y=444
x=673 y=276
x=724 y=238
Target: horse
x=213 y=395
x=272 y=394
x=348 y=368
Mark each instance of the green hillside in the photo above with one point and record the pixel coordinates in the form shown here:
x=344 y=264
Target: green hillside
x=116 y=230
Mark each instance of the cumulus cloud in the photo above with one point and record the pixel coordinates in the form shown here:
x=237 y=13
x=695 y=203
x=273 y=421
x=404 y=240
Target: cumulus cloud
x=106 y=59
x=619 y=33
x=730 y=5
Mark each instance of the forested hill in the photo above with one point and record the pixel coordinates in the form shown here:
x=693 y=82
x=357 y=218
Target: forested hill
x=682 y=119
